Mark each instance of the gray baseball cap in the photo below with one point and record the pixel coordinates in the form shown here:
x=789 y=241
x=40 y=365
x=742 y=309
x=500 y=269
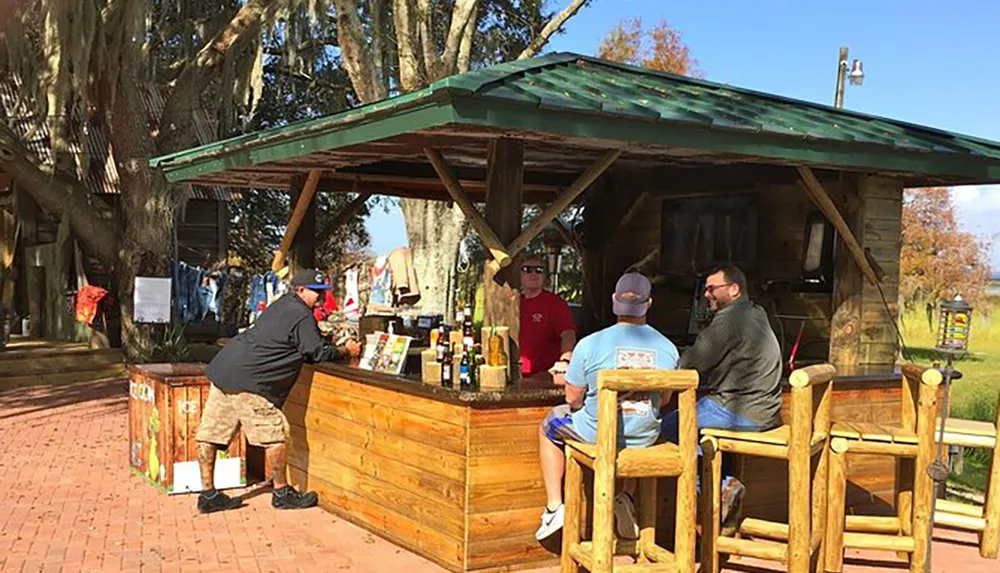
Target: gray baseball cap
x=631 y=295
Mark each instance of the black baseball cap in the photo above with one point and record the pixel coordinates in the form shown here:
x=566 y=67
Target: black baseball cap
x=311 y=279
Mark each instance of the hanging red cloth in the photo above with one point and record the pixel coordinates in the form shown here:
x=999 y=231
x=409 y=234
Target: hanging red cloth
x=87 y=299
x=329 y=305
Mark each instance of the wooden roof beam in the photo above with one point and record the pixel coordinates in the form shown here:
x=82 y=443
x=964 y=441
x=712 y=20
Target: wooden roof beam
x=489 y=237
x=822 y=200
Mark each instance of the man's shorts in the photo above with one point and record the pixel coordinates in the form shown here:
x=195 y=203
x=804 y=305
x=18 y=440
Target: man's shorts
x=263 y=423
x=558 y=425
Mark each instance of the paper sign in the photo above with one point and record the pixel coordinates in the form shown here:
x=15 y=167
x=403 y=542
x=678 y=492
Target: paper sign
x=152 y=300
x=187 y=475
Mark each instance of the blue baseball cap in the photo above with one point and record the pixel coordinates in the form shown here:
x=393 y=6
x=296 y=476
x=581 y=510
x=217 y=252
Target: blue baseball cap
x=311 y=279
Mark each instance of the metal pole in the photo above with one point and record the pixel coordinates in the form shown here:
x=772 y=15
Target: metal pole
x=938 y=470
x=838 y=98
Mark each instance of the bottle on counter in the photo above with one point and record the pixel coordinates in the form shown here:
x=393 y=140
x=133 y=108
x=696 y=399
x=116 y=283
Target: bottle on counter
x=446 y=366
x=464 y=372
x=468 y=338
x=441 y=343
x=435 y=335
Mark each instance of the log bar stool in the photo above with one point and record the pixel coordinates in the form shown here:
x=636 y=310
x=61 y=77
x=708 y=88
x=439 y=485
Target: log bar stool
x=807 y=434
x=609 y=461
x=984 y=520
x=912 y=444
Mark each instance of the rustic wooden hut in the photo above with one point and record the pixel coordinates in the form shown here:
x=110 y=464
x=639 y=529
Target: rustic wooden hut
x=676 y=175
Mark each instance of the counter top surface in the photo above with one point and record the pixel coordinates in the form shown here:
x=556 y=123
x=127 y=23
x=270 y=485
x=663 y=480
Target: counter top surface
x=534 y=390
x=528 y=391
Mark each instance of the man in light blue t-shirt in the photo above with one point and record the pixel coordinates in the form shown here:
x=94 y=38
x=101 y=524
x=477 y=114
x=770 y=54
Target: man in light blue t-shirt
x=630 y=343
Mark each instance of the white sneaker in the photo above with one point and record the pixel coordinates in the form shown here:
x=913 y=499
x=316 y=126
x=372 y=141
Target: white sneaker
x=552 y=521
x=626 y=523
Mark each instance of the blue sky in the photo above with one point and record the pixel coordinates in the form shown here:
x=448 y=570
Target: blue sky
x=930 y=62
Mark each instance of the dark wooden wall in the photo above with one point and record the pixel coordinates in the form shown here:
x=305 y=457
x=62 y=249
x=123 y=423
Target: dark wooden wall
x=782 y=213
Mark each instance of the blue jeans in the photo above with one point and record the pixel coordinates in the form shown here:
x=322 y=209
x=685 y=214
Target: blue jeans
x=711 y=414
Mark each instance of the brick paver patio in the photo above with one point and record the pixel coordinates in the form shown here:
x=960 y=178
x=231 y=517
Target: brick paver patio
x=71 y=504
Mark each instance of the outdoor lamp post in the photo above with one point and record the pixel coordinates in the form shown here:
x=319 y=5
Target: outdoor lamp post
x=954 y=325
x=856 y=76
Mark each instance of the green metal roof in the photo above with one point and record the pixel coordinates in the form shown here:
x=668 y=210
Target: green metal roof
x=577 y=97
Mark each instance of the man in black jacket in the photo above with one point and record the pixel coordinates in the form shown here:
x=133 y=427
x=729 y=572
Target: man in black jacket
x=251 y=378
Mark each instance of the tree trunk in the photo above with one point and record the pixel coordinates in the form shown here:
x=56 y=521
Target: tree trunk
x=149 y=205
x=434 y=231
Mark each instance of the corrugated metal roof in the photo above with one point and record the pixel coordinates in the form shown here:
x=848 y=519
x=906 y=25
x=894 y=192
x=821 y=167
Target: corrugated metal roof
x=569 y=96
x=89 y=145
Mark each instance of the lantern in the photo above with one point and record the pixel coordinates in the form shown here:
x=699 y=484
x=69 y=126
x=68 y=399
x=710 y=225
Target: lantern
x=953 y=326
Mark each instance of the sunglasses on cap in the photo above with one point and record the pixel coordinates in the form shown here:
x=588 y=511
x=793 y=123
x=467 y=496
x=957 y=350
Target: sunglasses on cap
x=538 y=270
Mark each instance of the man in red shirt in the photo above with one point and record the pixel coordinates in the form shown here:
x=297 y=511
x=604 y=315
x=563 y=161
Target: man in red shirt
x=547 y=330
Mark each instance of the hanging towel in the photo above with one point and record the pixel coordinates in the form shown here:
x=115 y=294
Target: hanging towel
x=404 y=277
x=87 y=299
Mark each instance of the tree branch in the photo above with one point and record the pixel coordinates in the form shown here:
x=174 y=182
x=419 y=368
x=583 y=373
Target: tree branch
x=288 y=72
x=436 y=68
x=176 y=123
x=463 y=12
x=355 y=54
x=551 y=28
x=61 y=195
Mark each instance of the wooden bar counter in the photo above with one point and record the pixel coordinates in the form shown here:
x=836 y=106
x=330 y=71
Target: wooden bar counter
x=454 y=476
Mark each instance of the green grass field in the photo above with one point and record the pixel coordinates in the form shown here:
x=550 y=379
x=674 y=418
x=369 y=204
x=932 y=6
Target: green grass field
x=974 y=396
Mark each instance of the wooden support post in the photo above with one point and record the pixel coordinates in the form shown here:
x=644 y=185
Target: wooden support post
x=845 y=325
x=799 y=459
x=711 y=500
x=604 y=480
x=923 y=485
x=458 y=195
x=559 y=205
x=504 y=208
x=303 y=248
x=574 y=512
x=836 y=510
x=222 y=227
x=298 y=213
x=989 y=541
x=826 y=205
x=687 y=482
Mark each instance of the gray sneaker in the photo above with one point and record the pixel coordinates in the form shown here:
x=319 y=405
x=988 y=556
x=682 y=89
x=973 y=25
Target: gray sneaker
x=626 y=524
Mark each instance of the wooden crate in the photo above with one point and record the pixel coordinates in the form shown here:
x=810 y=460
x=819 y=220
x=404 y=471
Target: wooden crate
x=164 y=408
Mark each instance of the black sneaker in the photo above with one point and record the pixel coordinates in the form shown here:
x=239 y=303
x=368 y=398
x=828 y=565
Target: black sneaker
x=212 y=501
x=288 y=498
x=732 y=498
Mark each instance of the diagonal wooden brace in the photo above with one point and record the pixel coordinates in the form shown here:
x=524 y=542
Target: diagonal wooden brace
x=559 y=205
x=501 y=258
x=822 y=200
x=301 y=206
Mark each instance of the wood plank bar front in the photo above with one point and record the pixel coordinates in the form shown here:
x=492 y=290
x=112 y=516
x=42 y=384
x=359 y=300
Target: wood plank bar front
x=453 y=476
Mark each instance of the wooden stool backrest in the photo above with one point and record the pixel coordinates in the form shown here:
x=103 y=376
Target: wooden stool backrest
x=812 y=400
x=611 y=382
x=919 y=400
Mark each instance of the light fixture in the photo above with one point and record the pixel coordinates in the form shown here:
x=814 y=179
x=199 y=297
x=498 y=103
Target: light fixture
x=954 y=326
x=857 y=75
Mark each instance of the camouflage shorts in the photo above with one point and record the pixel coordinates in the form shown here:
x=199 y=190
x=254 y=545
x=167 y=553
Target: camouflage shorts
x=263 y=423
